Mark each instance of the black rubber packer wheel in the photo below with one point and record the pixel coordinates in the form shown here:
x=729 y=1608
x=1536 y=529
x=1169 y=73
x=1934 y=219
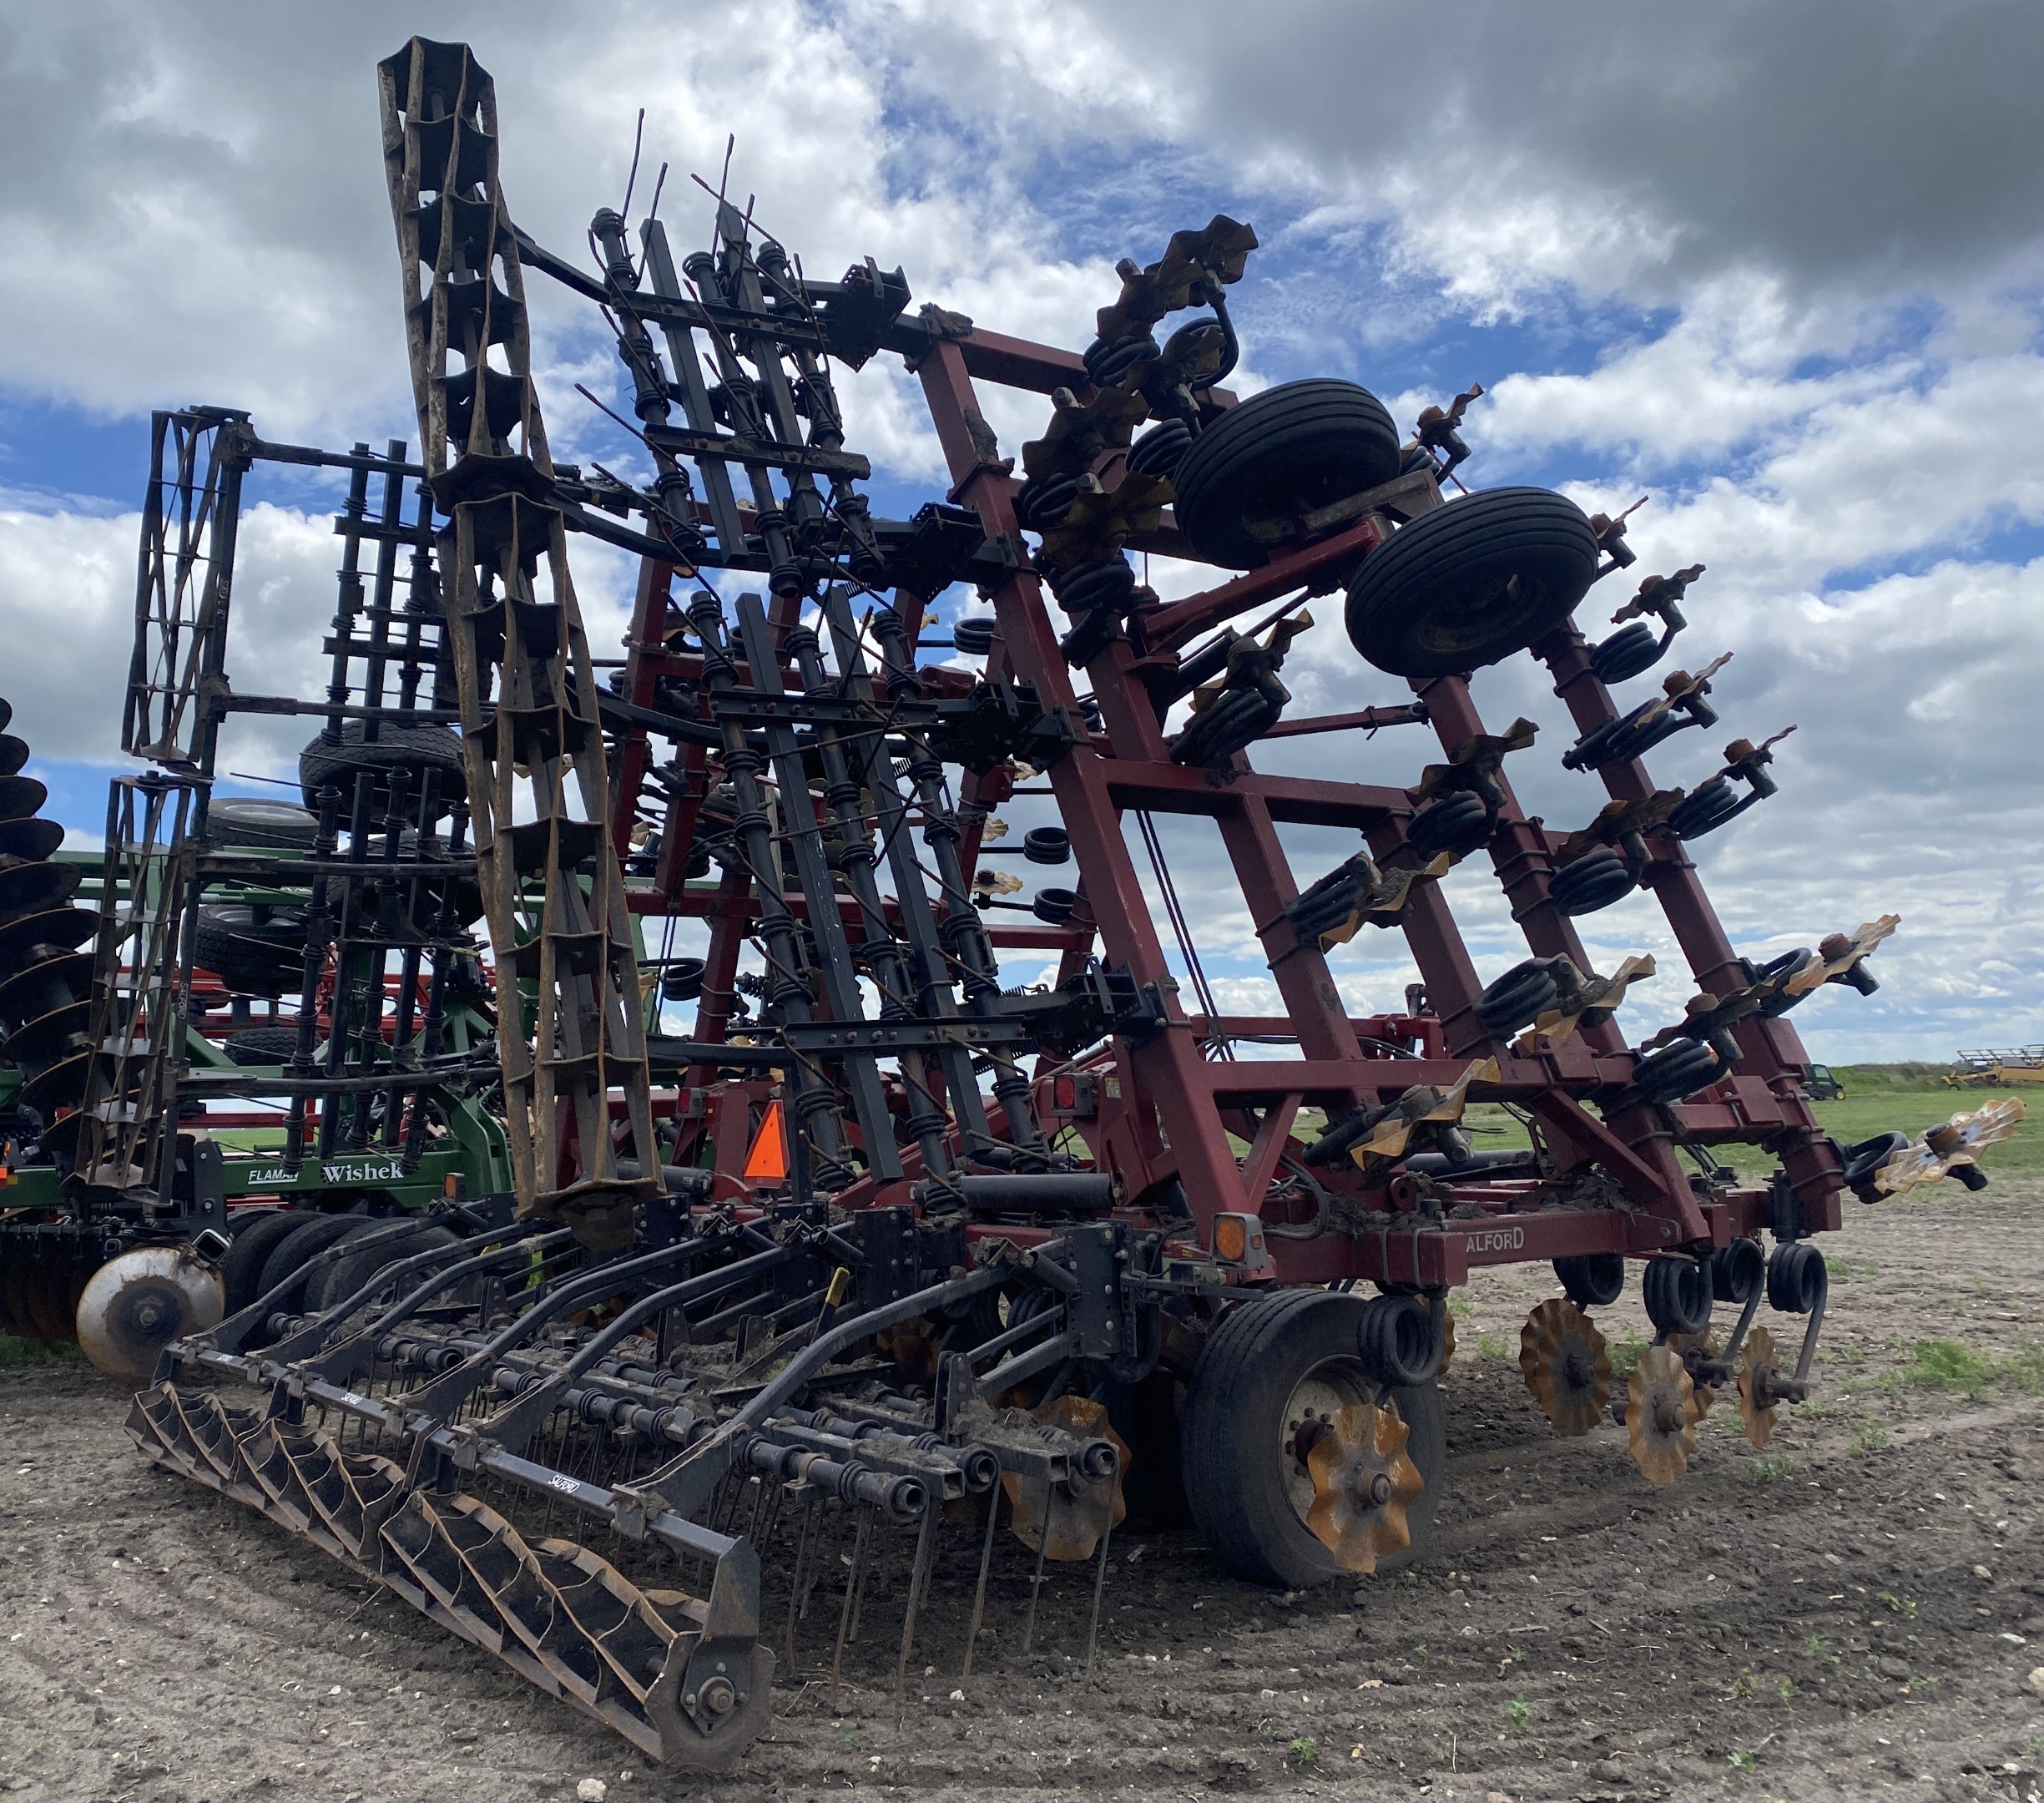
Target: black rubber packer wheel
x=1471 y=582
x=315 y=1234
x=242 y=1270
x=1286 y=450
x=357 y=1268
x=1235 y=1423
x=1595 y=880
x=398 y=745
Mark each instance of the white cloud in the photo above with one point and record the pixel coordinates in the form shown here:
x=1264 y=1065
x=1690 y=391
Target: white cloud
x=195 y=211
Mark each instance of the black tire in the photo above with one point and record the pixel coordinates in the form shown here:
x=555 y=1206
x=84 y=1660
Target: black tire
x=1595 y=879
x=1457 y=824
x=255 y=951
x=1146 y=1416
x=242 y=1270
x=1677 y=1070
x=244 y=820
x=1516 y=999
x=1235 y=1466
x=314 y=1234
x=1288 y=450
x=318 y=1293
x=397 y=746
x=357 y=1268
x=263 y=1046
x=1471 y=582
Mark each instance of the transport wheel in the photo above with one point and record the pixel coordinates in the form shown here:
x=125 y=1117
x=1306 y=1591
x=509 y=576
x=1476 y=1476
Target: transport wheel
x=397 y=746
x=1283 y=452
x=1274 y=1363
x=242 y=1269
x=263 y=1046
x=1471 y=582
x=280 y=825
x=254 y=950
x=357 y=1268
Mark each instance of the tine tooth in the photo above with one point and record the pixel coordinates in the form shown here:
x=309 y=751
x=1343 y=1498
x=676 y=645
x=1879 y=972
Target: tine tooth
x=918 y=1575
x=979 y=1592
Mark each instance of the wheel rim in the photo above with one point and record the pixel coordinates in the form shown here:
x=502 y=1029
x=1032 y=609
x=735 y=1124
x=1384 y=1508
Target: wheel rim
x=1332 y=1384
x=1478 y=616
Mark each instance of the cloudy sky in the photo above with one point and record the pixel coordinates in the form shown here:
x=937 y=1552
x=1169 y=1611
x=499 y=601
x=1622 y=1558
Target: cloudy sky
x=1780 y=267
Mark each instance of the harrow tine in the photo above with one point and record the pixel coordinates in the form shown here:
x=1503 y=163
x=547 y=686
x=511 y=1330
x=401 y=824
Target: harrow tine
x=795 y=1587
x=1035 y=1590
x=979 y=1590
x=1100 y=1584
x=919 y=1576
x=855 y=1581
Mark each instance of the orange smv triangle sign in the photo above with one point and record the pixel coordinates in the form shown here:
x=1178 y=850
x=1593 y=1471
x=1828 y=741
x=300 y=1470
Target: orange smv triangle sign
x=767 y=1162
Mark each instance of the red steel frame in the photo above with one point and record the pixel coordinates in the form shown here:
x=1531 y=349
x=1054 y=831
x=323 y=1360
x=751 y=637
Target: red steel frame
x=1177 y=1105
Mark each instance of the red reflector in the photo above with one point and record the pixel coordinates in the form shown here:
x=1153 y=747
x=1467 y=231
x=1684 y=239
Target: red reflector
x=1064 y=1093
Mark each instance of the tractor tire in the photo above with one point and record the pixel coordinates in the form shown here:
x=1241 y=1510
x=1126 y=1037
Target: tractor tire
x=1595 y=879
x=254 y=950
x=1242 y=1482
x=242 y=1270
x=1286 y=450
x=267 y=825
x=397 y=746
x=1471 y=582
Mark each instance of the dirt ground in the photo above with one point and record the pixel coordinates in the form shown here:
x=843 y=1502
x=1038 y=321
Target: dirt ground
x=1857 y=1612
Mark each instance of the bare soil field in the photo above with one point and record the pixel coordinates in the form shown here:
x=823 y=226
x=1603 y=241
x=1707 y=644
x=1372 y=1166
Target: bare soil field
x=1856 y=1611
